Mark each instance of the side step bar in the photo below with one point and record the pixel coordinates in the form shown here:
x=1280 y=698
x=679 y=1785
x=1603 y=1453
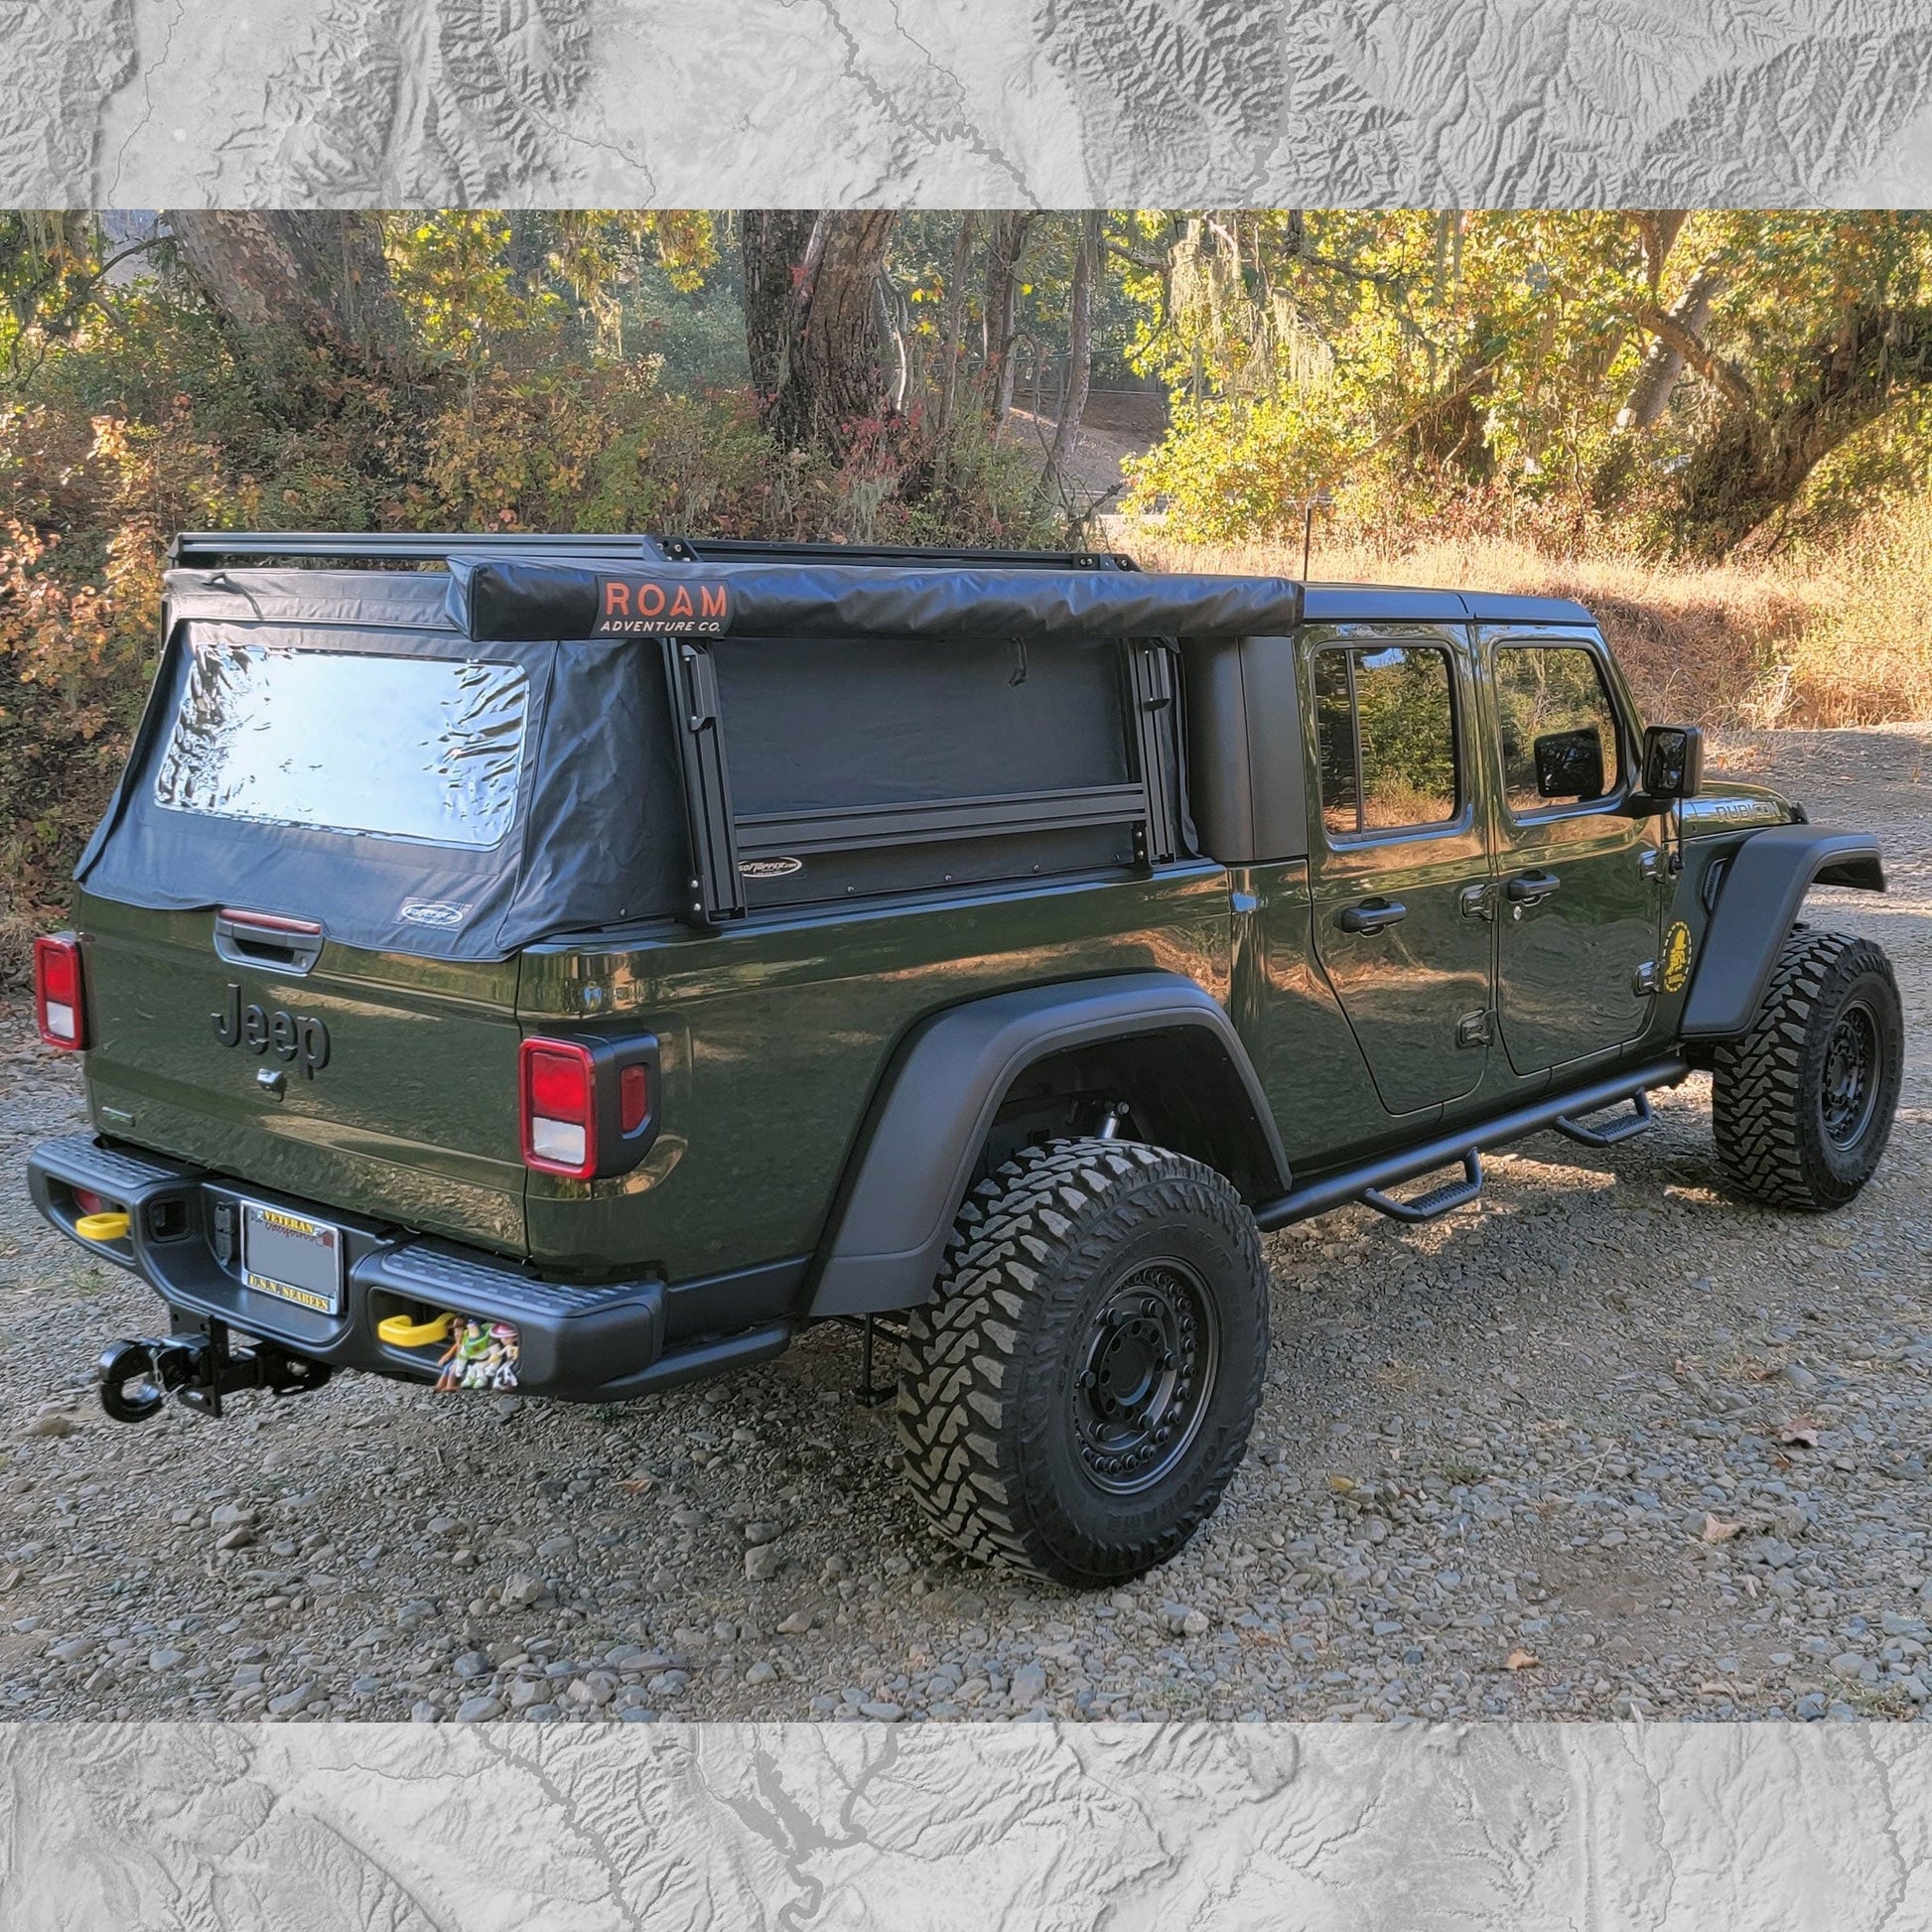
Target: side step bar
x=1567 y=1112
x=1614 y=1135
x=1438 y=1201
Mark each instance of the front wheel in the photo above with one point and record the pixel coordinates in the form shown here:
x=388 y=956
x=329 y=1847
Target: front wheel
x=1802 y=1106
x=1076 y=1397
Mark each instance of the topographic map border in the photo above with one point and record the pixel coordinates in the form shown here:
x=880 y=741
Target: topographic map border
x=965 y=102
x=1570 y=1828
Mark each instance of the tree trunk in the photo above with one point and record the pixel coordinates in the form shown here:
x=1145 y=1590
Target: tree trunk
x=1663 y=364
x=774 y=242
x=811 y=321
x=1658 y=229
x=1006 y=242
x=1073 y=406
x=949 y=343
x=318 y=273
x=1760 y=452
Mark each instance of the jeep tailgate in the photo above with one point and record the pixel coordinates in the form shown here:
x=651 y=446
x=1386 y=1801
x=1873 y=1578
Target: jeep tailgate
x=401 y=1104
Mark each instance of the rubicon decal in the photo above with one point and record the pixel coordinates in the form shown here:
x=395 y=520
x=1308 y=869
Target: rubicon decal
x=1677 y=957
x=646 y=607
x=302 y=1040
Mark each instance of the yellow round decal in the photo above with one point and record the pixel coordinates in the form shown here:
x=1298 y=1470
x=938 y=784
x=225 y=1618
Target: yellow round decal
x=1677 y=957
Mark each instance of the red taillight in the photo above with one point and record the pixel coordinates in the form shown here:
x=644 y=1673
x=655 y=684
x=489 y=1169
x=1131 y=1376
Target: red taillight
x=557 y=1087
x=58 y=1009
x=633 y=1099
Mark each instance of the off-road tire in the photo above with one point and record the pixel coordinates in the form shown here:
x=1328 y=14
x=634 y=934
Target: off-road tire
x=1773 y=1099
x=1041 y=1283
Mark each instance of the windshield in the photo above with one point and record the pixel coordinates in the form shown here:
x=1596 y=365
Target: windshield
x=402 y=748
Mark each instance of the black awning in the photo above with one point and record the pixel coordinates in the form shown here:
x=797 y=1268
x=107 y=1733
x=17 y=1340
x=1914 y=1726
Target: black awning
x=494 y=601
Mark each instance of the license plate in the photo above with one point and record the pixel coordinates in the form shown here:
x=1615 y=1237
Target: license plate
x=292 y=1258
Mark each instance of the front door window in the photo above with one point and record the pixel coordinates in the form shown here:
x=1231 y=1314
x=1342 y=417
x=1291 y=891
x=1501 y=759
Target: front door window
x=1559 y=729
x=1577 y=916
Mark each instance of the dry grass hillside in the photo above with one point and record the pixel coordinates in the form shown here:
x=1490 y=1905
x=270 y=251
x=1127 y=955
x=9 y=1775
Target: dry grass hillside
x=1839 y=639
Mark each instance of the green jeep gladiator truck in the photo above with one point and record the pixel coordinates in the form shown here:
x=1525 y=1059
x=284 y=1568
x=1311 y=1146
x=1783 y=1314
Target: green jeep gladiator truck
x=575 y=964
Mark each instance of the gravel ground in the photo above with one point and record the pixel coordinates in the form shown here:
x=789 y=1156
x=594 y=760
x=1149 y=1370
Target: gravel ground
x=1610 y=1447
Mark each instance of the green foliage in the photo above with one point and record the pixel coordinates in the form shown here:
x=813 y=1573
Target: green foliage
x=1414 y=363
x=456 y=280
x=694 y=337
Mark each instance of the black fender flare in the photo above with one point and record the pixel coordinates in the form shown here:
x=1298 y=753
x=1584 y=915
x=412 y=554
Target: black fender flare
x=1763 y=886
x=905 y=1184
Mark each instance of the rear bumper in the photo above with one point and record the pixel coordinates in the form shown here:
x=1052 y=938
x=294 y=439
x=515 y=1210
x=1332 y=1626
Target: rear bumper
x=579 y=1344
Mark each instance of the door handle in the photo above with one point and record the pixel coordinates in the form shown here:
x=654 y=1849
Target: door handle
x=1372 y=916
x=1532 y=887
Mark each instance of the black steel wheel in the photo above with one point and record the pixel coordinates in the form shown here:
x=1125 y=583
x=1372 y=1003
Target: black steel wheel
x=1854 y=1073
x=1802 y=1106
x=1076 y=1397
x=1150 y=1357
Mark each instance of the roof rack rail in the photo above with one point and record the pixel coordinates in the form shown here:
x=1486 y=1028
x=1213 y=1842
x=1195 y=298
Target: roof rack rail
x=398 y=546
x=740 y=550
x=200 y=547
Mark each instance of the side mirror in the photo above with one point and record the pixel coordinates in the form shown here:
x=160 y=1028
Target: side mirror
x=1673 y=761
x=1569 y=765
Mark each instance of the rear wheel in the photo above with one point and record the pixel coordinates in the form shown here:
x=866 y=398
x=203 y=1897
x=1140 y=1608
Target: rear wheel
x=1077 y=1396
x=1802 y=1106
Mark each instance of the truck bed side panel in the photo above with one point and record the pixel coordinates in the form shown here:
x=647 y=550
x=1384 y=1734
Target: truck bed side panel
x=775 y=1035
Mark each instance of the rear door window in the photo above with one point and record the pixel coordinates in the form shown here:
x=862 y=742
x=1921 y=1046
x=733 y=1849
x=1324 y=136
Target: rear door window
x=1385 y=735
x=426 y=748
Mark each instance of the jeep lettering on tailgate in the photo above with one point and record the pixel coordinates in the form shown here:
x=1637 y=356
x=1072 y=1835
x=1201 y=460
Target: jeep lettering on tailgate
x=301 y=1039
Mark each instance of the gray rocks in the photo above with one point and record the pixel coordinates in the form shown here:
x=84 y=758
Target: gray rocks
x=1029 y=1684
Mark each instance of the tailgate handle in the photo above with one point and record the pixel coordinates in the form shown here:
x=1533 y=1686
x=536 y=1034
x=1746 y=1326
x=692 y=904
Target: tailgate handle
x=269 y=940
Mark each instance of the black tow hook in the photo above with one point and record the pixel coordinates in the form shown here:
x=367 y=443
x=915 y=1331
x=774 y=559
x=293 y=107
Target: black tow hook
x=139 y=1374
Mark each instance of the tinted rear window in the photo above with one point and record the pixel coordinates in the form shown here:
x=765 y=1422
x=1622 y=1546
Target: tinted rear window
x=404 y=748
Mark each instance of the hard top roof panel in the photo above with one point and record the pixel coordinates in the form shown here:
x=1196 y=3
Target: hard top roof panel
x=1392 y=604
